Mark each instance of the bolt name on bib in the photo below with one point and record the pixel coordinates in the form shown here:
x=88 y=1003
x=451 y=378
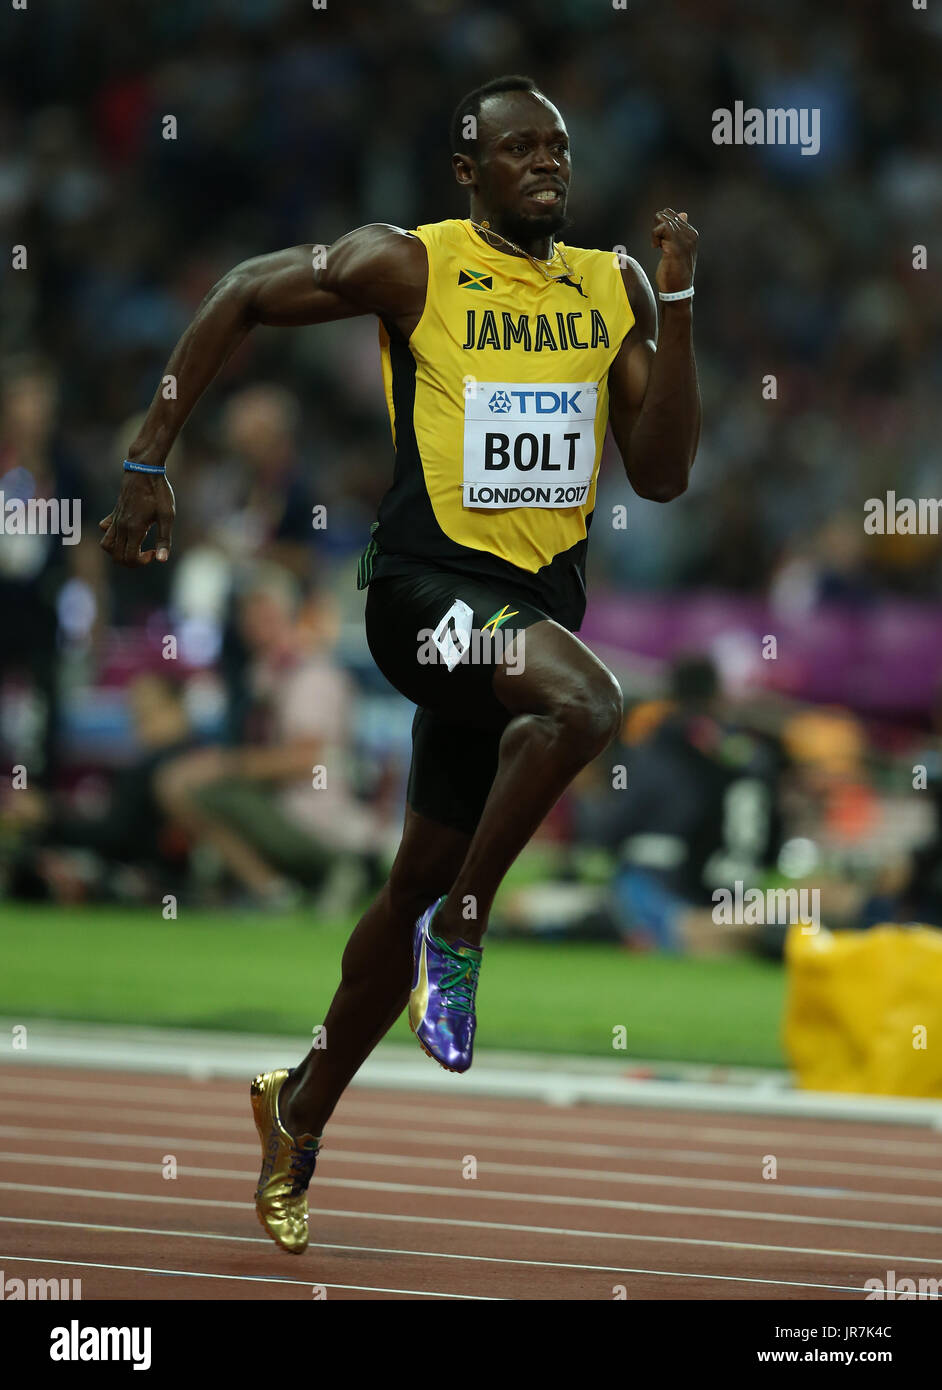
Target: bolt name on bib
x=529 y=444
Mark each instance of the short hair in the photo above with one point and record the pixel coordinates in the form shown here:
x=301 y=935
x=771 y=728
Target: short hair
x=470 y=105
x=693 y=678
x=268 y=580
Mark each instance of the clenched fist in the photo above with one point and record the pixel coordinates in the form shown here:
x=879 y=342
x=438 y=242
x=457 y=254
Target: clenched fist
x=677 y=241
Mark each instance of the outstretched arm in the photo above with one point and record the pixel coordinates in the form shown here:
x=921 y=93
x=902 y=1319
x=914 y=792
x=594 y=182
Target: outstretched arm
x=653 y=389
x=375 y=269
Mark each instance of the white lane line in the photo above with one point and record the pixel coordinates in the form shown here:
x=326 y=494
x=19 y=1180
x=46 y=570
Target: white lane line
x=257 y=1279
x=241 y=1124
x=189 y=1119
x=560 y=1082
x=421 y=1293
x=453 y=1140
x=414 y=1189
x=218 y=1092
x=556 y=1232
x=519 y=1170
x=836 y=1134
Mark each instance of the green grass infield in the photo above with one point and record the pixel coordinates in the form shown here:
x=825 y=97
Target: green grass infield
x=277 y=974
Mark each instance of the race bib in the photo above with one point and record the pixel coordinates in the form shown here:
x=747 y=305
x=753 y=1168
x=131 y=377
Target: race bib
x=529 y=445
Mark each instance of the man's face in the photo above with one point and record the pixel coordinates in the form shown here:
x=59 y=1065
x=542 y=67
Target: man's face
x=522 y=170
x=264 y=621
x=257 y=424
x=29 y=406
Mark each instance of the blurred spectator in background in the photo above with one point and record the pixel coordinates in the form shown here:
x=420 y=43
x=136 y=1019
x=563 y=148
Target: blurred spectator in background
x=256 y=505
x=920 y=897
x=830 y=795
x=69 y=854
x=278 y=809
x=35 y=464
x=688 y=801
x=695 y=807
x=829 y=565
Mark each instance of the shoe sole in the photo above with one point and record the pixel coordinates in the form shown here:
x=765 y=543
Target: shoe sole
x=454 y=1070
x=288 y=1249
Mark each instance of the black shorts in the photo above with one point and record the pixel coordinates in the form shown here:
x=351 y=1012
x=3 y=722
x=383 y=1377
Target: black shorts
x=436 y=636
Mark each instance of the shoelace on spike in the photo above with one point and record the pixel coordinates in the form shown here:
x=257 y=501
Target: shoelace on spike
x=302 y=1165
x=458 y=988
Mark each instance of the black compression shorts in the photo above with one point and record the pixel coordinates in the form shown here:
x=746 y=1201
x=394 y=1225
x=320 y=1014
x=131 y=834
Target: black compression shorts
x=436 y=637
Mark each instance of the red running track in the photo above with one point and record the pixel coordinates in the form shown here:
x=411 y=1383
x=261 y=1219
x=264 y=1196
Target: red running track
x=427 y=1196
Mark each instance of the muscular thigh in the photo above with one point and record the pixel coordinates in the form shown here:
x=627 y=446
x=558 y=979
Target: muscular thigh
x=440 y=637
x=471 y=653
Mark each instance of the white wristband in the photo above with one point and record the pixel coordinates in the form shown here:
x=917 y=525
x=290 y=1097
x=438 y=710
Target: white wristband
x=680 y=294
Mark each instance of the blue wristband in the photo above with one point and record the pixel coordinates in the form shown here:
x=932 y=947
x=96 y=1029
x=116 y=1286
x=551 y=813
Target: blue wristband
x=130 y=467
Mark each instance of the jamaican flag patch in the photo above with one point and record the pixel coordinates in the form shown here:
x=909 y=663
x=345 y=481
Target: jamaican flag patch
x=475 y=280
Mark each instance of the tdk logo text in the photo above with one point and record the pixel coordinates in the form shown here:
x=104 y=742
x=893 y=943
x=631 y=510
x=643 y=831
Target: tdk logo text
x=543 y=402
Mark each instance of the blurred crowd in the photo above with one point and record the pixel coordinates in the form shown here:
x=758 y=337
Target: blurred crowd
x=705 y=792
x=142 y=154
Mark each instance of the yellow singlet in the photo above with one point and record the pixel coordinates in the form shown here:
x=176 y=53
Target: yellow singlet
x=498 y=405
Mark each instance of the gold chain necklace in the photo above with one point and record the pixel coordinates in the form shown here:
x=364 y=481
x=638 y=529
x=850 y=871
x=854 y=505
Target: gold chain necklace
x=486 y=229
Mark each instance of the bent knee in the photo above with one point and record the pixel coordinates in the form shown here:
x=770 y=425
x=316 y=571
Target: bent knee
x=591 y=713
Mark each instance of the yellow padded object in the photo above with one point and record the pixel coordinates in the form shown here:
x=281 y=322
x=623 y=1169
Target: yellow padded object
x=863 y=1010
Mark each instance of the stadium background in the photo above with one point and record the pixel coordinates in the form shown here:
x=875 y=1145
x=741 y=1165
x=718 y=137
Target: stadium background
x=294 y=125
